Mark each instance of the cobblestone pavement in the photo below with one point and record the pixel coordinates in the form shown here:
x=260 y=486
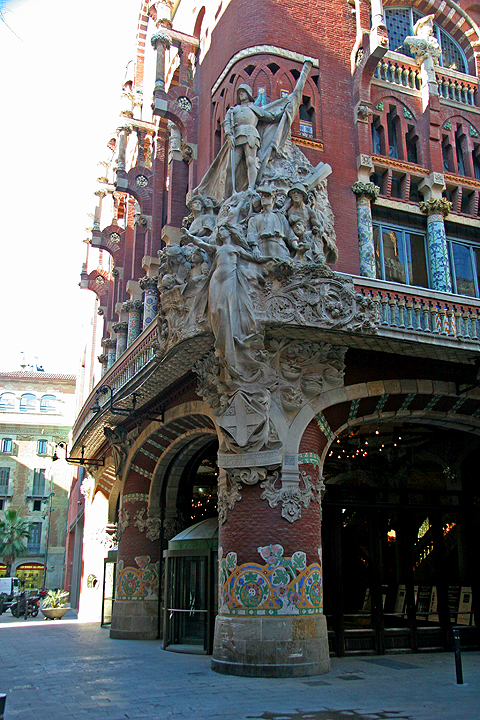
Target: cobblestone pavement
x=66 y=670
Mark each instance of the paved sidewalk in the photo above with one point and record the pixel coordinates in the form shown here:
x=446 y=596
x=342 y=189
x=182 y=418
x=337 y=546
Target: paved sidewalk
x=66 y=670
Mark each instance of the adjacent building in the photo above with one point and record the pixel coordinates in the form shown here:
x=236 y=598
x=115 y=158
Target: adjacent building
x=36 y=413
x=285 y=256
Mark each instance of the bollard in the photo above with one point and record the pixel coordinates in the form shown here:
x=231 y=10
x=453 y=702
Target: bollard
x=458 y=657
x=3 y=700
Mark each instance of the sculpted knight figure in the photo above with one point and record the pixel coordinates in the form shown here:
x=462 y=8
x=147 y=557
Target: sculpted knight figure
x=253 y=135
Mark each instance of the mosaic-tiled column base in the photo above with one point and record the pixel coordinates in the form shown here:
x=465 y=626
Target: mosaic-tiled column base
x=135 y=620
x=271 y=646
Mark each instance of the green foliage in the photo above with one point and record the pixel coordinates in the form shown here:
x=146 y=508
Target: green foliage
x=14 y=533
x=55 y=599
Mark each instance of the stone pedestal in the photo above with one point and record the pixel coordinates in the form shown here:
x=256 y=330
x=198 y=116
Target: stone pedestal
x=271 y=646
x=135 y=620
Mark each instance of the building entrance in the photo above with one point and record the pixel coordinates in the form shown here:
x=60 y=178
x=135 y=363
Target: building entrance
x=398 y=546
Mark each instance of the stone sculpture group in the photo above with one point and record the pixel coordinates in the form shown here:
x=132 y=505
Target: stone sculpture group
x=253 y=259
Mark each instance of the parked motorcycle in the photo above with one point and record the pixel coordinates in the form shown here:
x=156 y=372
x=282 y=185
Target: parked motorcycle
x=25 y=606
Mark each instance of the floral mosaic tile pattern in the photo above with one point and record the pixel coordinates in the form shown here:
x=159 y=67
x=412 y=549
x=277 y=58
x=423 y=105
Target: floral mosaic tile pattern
x=139 y=583
x=282 y=586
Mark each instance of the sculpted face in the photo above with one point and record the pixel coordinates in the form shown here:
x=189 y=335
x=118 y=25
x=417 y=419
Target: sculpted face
x=266 y=200
x=196 y=206
x=242 y=96
x=296 y=196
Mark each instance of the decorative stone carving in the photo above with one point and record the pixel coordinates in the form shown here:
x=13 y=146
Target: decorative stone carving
x=364 y=112
x=123 y=522
x=149 y=525
x=439 y=206
x=87 y=487
x=368 y=189
x=424 y=44
x=120 y=444
x=291 y=496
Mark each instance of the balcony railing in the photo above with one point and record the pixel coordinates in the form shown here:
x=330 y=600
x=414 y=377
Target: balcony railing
x=423 y=313
x=403 y=72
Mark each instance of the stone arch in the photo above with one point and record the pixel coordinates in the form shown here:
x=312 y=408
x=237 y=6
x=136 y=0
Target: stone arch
x=407 y=400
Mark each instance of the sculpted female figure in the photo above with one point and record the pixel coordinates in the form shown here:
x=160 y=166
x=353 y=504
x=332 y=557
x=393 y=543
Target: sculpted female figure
x=230 y=304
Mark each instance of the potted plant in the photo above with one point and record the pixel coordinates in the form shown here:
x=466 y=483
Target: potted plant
x=53 y=605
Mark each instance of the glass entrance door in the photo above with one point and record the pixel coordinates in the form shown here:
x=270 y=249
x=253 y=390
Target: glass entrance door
x=108 y=592
x=188 y=601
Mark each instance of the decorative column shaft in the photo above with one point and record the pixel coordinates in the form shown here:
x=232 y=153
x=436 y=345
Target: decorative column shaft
x=366 y=194
x=436 y=210
x=121 y=329
x=103 y=359
x=150 y=303
x=110 y=346
x=134 y=309
x=123 y=133
x=160 y=42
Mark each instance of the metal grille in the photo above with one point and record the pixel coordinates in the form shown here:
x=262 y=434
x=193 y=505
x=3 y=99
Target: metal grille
x=399 y=25
x=452 y=56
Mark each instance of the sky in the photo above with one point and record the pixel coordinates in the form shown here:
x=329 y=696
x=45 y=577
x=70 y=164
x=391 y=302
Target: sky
x=62 y=67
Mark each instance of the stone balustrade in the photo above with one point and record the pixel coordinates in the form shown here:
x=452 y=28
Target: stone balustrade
x=424 y=313
x=403 y=72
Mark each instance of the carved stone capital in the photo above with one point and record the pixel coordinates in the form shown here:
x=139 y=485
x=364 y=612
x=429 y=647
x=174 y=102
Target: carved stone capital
x=364 y=112
x=127 y=129
x=103 y=358
x=434 y=206
x=109 y=343
x=132 y=306
x=120 y=327
x=368 y=189
x=162 y=38
x=148 y=283
x=120 y=444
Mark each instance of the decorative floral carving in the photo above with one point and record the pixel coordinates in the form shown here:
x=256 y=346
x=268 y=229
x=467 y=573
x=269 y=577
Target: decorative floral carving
x=368 y=189
x=184 y=103
x=434 y=206
x=364 y=112
x=291 y=496
x=123 y=521
x=149 y=525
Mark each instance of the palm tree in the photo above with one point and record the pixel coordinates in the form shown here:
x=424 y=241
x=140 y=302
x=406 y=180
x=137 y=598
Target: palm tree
x=14 y=533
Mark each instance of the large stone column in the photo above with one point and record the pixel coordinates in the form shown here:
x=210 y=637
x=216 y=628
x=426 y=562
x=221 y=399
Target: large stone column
x=436 y=210
x=150 y=303
x=135 y=611
x=270 y=620
x=366 y=193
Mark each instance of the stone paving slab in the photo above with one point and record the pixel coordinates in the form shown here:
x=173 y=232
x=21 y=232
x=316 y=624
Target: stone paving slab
x=66 y=670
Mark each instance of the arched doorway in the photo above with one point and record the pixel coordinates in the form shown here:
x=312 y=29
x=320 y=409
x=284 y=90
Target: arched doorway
x=398 y=542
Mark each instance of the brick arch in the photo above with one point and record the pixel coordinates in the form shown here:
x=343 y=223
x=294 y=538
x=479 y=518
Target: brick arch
x=155 y=441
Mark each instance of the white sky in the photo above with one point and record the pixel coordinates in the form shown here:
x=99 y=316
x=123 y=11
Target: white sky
x=60 y=92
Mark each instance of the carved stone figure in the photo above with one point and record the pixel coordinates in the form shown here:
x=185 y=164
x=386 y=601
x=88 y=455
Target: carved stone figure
x=268 y=231
x=203 y=221
x=253 y=134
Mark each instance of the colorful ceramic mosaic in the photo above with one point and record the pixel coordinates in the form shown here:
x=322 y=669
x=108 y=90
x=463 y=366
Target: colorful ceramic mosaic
x=437 y=242
x=310 y=458
x=135 y=497
x=283 y=586
x=365 y=237
x=139 y=583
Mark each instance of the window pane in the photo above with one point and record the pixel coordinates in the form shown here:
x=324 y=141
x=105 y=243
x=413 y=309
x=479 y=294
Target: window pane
x=4 y=477
x=47 y=403
x=417 y=261
x=39 y=482
x=394 y=257
x=399 y=26
x=7 y=445
x=42 y=447
x=462 y=263
x=27 y=403
x=7 y=401
x=452 y=56
x=476 y=252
